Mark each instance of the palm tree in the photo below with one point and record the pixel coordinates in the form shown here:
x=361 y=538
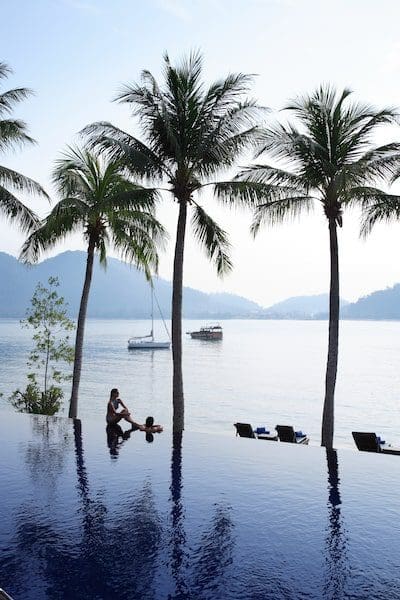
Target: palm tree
x=190 y=135
x=13 y=132
x=98 y=199
x=334 y=164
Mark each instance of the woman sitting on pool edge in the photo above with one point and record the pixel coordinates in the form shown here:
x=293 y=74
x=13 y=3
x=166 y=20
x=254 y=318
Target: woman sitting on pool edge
x=113 y=416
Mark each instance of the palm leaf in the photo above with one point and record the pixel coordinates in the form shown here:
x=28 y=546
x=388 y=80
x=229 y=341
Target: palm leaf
x=13 y=179
x=14 y=210
x=68 y=216
x=11 y=97
x=213 y=239
x=12 y=132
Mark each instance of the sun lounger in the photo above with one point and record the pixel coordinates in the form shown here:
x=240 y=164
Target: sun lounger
x=370 y=442
x=286 y=433
x=366 y=441
x=244 y=430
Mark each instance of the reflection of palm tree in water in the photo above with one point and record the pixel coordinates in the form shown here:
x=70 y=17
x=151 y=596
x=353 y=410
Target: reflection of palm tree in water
x=123 y=553
x=214 y=556
x=109 y=554
x=336 y=554
x=178 y=537
x=202 y=574
x=112 y=551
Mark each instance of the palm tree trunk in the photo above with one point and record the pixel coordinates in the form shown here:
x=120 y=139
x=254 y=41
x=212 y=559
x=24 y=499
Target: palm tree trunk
x=177 y=381
x=333 y=342
x=80 y=329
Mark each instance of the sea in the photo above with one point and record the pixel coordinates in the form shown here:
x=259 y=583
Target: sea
x=263 y=372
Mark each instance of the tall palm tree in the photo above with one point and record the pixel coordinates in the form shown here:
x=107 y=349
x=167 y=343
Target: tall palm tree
x=190 y=135
x=99 y=200
x=13 y=132
x=333 y=164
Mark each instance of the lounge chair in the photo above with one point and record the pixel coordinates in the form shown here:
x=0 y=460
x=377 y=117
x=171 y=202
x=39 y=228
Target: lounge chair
x=370 y=442
x=286 y=433
x=244 y=430
x=366 y=441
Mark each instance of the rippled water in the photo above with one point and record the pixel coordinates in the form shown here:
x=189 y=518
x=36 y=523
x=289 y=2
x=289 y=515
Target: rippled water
x=262 y=372
x=206 y=517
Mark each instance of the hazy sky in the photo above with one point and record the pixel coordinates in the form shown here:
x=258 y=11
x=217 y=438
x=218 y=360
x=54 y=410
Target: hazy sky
x=76 y=54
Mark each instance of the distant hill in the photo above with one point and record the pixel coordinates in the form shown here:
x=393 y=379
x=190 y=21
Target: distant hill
x=383 y=304
x=119 y=292
x=122 y=292
x=300 y=307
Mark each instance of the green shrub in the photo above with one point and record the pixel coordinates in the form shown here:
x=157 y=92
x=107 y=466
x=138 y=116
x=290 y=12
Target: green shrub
x=33 y=400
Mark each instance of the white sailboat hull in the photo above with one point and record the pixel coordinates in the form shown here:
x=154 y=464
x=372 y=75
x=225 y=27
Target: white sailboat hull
x=147 y=342
x=147 y=345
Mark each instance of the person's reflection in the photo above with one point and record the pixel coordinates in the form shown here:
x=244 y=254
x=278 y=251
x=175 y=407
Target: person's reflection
x=115 y=437
x=336 y=558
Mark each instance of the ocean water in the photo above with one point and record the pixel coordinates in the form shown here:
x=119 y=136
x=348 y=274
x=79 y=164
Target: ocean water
x=262 y=372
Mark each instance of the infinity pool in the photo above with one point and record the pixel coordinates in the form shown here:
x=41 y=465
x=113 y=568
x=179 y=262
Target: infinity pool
x=86 y=516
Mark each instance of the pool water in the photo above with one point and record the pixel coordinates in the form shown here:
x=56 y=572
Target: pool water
x=91 y=516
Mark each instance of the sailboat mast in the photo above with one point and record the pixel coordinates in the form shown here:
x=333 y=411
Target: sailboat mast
x=152 y=313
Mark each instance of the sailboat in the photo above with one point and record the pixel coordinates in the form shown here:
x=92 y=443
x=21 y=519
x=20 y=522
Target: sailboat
x=147 y=342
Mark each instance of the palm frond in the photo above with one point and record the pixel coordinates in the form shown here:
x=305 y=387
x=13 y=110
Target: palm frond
x=273 y=176
x=13 y=179
x=11 y=97
x=377 y=206
x=212 y=238
x=278 y=211
x=77 y=173
x=249 y=193
x=135 y=244
x=13 y=132
x=130 y=199
x=222 y=94
x=5 y=70
x=14 y=210
x=139 y=159
x=67 y=216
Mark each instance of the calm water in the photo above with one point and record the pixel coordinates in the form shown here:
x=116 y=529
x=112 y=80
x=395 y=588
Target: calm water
x=209 y=517
x=262 y=372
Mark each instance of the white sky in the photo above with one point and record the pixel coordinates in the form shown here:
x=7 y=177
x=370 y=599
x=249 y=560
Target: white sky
x=76 y=53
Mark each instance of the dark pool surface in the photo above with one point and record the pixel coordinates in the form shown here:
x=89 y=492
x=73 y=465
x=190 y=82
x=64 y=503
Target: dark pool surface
x=204 y=517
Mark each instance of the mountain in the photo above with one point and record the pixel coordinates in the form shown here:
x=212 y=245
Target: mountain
x=121 y=291
x=383 y=304
x=300 y=307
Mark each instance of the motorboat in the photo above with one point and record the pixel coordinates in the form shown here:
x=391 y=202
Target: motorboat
x=212 y=331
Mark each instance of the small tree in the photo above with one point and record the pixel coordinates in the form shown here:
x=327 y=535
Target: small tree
x=48 y=318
